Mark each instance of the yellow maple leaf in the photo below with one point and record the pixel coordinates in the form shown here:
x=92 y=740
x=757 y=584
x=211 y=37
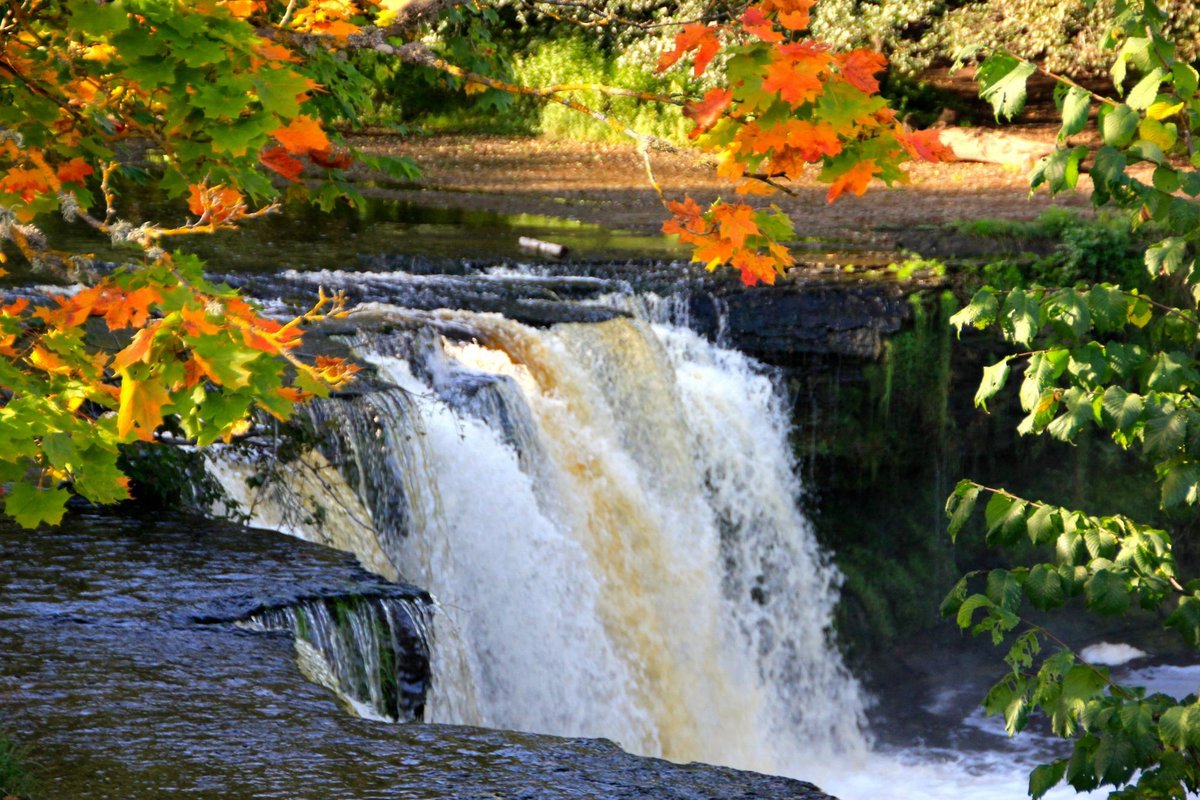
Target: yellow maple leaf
x=141 y=407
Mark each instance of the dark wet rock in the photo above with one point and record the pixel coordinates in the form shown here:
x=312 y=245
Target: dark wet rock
x=779 y=325
x=800 y=317
x=123 y=695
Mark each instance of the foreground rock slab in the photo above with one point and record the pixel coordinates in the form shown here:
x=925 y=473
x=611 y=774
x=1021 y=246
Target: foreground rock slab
x=118 y=670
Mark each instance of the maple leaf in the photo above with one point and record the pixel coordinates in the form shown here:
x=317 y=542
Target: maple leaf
x=856 y=179
x=48 y=362
x=813 y=140
x=755 y=267
x=141 y=407
x=15 y=307
x=754 y=21
x=331 y=159
x=925 y=145
x=242 y=8
x=707 y=111
x=273 y=51
x=793 y=14
x=713 y=251
x=277 y=159
x=195 y=322
x=133 y=309
x=218 y=203
x=859 y=68
x=74 y=171
x=137 y=350
x=735 y=222
x=796 y=80
x=696 y=36
x=688 y=216
x=301 y=135
x=26 y=182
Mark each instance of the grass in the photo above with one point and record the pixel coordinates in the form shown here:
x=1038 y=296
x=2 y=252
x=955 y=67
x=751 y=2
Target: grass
x=14 y=775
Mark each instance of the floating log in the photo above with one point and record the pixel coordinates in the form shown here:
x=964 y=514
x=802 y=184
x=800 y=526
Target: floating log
x=543 y=247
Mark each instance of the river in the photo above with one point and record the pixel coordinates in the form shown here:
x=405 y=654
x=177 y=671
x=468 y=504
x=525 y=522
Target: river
x=606 y=509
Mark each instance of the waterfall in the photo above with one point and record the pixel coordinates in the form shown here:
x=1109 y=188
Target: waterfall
x=372 y=652
x=606 y=514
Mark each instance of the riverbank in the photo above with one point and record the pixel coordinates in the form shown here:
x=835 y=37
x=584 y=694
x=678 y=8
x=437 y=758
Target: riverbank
x=607 y=184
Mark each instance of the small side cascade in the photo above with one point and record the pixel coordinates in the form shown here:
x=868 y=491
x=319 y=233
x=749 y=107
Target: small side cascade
x=372 y=652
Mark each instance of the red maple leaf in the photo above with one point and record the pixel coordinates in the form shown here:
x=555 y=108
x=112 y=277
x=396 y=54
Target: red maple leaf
x=277 y=159
x=756 y=22
x=707 y=111
x=698 y=37
x=925 y=145
x=331 y=159
x=859 y=68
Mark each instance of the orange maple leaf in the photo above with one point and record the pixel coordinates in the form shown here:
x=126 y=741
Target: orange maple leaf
x=137 y=350
x=696 y=36
x=272 y=51
x=755 y=267
x=689 y=217
x=793 y=14
x=26 y=182
x=713 y=251
x=859 y=68
x=813 y=140
x=796 y=80
x=736 y=222
x=218 y=203
x=302 y=135
x=132 y=309
x=74 y=171
x=195 y=322
x=707 y=111
x=277 y=159
x=855 y=179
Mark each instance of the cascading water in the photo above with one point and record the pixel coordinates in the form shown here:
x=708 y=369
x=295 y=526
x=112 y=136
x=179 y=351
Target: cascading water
x=607 y=515
x=370 y=651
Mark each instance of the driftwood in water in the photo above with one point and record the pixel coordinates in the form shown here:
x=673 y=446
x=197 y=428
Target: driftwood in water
x=540 y=246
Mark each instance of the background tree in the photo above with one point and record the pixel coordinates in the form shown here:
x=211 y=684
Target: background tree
x=1101 y=356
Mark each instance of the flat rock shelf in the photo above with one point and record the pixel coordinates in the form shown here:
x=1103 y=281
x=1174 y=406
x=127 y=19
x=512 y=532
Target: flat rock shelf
x=121 y=669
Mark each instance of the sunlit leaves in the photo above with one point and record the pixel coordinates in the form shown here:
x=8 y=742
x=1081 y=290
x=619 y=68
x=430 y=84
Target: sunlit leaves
x=785 y=103
x=31 y=505
x=696 y=37
x=1002 y=81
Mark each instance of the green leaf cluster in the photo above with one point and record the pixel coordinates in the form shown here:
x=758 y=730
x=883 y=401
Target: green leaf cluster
x=1119 y=361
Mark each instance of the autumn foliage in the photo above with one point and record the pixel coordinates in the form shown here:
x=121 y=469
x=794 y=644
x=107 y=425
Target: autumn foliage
x=786 y=104
x=226 y=105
